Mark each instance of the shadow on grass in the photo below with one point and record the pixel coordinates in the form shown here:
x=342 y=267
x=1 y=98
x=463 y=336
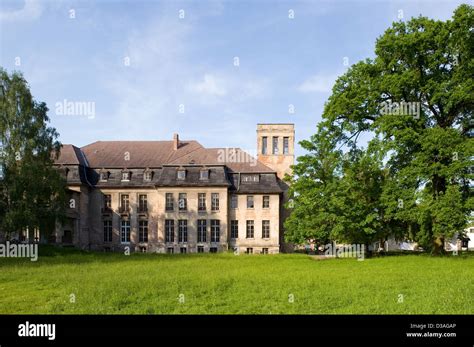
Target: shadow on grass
x=57 y=255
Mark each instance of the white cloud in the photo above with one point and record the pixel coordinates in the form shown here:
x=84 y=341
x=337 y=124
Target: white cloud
x=210 y=86
x=31 y=10
x=164 y=73
x=215 y=87
x=318 y=84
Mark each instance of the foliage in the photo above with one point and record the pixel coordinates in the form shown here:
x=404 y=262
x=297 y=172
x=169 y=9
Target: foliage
x=416 y=101
x=32 y=192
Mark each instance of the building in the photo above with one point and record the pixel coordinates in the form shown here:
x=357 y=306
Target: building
x=177 y=196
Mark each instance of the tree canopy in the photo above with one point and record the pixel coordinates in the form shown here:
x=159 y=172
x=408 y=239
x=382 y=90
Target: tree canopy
x=32 y=192
x=415 y=100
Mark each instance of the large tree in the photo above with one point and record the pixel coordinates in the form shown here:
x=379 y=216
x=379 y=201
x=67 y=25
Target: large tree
x=416 y=99
x=32 y=192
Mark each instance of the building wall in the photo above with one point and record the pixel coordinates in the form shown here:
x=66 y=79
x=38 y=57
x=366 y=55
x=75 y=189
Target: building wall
x=93 y=236
x=192 y=215
x=156 y=217
x=257 y=214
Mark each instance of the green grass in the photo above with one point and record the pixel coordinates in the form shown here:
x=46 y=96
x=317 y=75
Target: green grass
x=106 y=283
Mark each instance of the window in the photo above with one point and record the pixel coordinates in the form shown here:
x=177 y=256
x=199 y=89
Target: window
x=264 y=250
x=264 y=145
x=170 y=250
x=215 y=202
x=107 y=202
x=234 y=229
x=200 y=249
x=125 y=231
x=142 y=203
x=182 y=202
x=265 y=229
x=104 y=175
x=249 y=250
x=182 y=230
x=266 y=201
x=181 y=174
x=107 y=231
x=215 y=230
x=201 y=201
x=213 y=250
x=275 y=144
x=147 y=176
x=250 y=229
x=204 y=175
x=182 y=250
x=285 y=145
x=202 y=230
x=124 y=202
x=250 y=178
x=169 y=230
x=169 y=202
x=125 y=176
x=234 y=201
x=143 y=231
x=250 y=201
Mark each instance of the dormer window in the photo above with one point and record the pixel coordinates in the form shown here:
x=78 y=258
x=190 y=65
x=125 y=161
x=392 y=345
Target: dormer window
x=104 y=176
x=181 y=174
x=125 y=176
x=147 y=176
x=250 y=178
x=204 y=175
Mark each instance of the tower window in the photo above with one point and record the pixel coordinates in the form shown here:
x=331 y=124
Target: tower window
x=264 y=144
x=286 y=145
x=275 y=144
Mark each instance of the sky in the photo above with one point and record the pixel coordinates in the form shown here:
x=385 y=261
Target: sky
x=209 y=70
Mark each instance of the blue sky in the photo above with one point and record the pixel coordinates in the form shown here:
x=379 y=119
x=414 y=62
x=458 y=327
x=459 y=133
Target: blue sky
x=189 y=61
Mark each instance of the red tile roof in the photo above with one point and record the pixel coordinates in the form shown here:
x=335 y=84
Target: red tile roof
x=235 y=159
x=154 y=154
x=120 y=154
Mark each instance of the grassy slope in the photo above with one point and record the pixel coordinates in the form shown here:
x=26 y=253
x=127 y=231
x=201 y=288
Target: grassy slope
x=224 y=284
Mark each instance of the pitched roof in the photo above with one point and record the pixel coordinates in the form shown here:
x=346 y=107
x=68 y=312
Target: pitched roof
x=156 y=154
x=235 y=159
x=134 y=154
x=70 y=155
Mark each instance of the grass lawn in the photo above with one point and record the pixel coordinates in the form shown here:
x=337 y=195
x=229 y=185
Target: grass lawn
x=107 y=283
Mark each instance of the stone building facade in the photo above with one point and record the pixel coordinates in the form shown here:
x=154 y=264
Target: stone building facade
x=177 y=196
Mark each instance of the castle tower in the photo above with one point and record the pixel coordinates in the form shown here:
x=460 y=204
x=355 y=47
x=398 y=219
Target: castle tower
x=276 y=149
x=276 y=146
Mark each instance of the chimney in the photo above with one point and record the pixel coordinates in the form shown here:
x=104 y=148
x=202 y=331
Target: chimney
x=175 y=141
